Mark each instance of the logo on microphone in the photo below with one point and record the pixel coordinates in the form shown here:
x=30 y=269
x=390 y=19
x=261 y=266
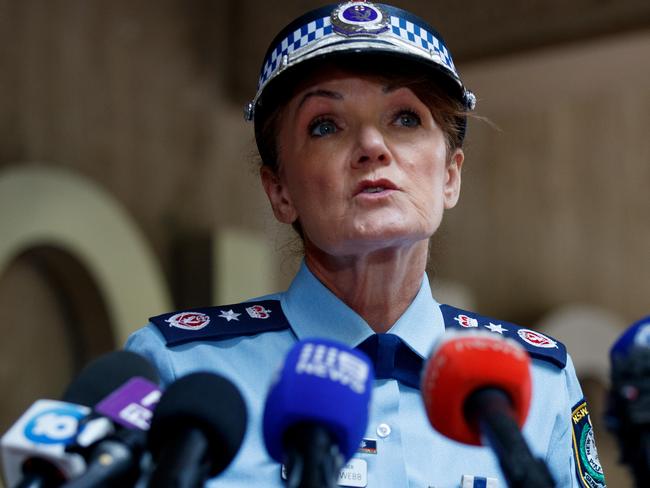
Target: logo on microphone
x=189 y=320
x=333 y=364
x=258 y=312
x=132 y=404
x=466 y=321
x=54 y=426
x=536 y=339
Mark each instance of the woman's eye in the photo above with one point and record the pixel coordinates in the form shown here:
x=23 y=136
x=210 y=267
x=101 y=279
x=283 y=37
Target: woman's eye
x=320 y=128
x=407 y=118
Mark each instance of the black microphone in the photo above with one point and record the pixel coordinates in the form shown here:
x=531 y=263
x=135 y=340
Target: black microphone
x=106 y=374
x=36 y=450
x=478 y=385
x=116 y=385
x=196 y=430
x=628 y=402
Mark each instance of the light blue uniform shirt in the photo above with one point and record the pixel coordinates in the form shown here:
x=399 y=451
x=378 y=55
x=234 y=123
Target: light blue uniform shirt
x=409 y=452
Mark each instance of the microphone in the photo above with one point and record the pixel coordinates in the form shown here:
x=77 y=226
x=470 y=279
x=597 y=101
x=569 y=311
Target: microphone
x=196 y=430
x=34 y=448
x=113 y=456
x=476 y=385
x=107 y=373
x=627 y=414
x=42 y=449
x=316 y=411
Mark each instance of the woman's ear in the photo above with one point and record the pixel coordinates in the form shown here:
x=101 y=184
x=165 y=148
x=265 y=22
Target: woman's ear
x=451 y=190
x=278 y=194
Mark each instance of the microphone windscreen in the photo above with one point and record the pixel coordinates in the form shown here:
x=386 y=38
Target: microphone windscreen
x=106 y=374
x=628 y=400
x=461 y=364
x=321 y=382
x=637 y=336
x=209 y=403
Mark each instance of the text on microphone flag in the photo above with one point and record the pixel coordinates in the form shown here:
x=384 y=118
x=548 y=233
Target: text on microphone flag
x=132 y=404
x=332 y=363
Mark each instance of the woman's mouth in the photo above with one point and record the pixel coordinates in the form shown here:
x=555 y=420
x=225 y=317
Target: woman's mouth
x=375 y=187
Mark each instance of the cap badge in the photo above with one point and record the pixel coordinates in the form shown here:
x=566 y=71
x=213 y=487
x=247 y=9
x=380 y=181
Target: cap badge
x=358 y=18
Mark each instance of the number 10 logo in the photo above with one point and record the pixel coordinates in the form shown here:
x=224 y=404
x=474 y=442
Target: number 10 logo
x=54 y=426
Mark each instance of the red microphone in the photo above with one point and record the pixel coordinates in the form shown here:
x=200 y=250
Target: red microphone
x=477 y=386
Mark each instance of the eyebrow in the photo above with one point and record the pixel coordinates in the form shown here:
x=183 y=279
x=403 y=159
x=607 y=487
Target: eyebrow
x=391 y=88
x=337 y=96
x=320 y=93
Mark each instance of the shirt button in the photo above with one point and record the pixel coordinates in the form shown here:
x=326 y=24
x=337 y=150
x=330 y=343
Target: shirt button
x=383 y=430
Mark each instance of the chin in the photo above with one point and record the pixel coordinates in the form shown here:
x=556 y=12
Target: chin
x=393 y=230
x=369 y=235
x=377 y=240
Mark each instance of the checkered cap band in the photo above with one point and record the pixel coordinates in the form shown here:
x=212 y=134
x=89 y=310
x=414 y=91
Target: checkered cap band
x=421 y=38
x=427 y=44
x=300 y=38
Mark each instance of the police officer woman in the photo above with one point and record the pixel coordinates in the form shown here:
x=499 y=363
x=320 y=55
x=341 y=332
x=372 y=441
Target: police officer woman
x=359 y=118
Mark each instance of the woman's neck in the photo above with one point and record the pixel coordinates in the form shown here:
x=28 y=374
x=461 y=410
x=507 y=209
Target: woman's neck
x=379 y=285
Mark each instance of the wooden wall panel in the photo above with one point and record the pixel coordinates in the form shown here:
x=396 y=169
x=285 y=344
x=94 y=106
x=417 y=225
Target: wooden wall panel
x=556 y=196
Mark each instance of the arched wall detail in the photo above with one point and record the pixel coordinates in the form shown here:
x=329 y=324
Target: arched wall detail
x=45 y=206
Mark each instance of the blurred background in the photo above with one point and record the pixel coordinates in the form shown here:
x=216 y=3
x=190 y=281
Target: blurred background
x=128 y=178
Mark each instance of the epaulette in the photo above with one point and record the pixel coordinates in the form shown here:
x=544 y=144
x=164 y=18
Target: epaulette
x=538 y=345
x=222 y=322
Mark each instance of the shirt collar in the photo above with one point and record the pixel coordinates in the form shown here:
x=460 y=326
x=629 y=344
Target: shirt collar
x=314 y=311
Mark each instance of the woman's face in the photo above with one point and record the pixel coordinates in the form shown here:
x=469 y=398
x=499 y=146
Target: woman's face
x=363 y=165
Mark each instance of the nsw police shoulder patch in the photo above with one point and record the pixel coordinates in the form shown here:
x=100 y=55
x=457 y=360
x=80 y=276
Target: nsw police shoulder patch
x=222 y=322
x=588 y=468
x=538 y=345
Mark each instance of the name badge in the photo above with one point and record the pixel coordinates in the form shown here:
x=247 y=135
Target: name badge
x=354 y=473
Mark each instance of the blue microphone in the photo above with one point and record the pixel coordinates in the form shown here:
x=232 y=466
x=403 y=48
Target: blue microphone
x=635 y=338
x=628 y=403
x=316 y=411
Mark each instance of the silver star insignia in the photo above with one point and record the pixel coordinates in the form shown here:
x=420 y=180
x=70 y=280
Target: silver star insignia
x=229 y=315
x=496 y=328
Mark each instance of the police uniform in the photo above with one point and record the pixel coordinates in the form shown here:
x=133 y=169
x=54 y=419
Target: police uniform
x=247 y=343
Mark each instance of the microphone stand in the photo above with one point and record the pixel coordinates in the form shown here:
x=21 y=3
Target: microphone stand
x=641 y=463
x=38 y=473
x=492 y=410
x=184 y=462
x=114 y=461
x=313 y=459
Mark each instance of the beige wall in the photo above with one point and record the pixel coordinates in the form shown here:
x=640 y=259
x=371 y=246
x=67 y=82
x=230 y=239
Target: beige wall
x=555 y=204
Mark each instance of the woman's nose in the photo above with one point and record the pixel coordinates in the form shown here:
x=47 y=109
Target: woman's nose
x=372 y=147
